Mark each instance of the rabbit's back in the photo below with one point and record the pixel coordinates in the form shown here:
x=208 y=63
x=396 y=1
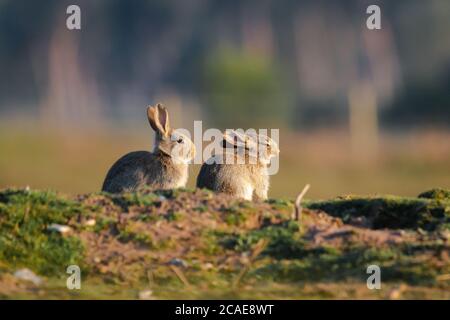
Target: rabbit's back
x=207 y=176
x=233 y=179
x=128 y=173
x=142 y=168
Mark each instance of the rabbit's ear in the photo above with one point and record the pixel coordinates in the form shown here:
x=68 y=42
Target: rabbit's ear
x=158 y=118
x=163 y=117
x=235 y=138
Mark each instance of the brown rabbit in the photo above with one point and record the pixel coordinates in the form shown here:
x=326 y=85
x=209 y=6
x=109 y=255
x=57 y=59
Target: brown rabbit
x=164 y=168
x=246 y=177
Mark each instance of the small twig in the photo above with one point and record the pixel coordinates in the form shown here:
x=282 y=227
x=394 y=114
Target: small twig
x=180 y=276
x=257 y=249
x=298 y=207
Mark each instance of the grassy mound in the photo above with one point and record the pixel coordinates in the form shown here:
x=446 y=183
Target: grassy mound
x=428 y=212
x=196 y=244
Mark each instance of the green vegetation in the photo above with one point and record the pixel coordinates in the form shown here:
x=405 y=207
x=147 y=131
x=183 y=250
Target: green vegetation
x=237 y=83
x=137 y=238
x=25 y=240
x=428 y=213
x=436 y=194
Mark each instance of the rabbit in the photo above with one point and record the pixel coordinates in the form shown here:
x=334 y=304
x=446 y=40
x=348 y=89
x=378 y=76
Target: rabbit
x=247 y=177
x=164 y=168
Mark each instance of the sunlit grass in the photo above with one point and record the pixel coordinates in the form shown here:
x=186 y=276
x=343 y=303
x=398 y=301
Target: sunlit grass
x=281 y=259
x=76 y=161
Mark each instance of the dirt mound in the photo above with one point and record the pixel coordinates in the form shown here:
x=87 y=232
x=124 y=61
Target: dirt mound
x=194 y=243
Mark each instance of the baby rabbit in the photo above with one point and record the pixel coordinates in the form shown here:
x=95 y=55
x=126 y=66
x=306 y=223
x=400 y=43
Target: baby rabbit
x=164 y=168
x=246 y=177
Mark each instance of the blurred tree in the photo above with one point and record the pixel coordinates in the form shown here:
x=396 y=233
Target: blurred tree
x=289 y=50
x=420 y=104
x=243 y=90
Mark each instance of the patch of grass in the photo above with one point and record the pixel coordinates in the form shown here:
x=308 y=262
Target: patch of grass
x=331 y=265
x=145 y=217
x=130 y=233
x=280 y=204
x=126 y=200
x=201 y=208
x=235 y=215
x=389 y=211
x=284 y=240
x=174 y=216
x=24 y=239
x=103 y=223
x=216 y=246
x=436 y=194
x=211 y=244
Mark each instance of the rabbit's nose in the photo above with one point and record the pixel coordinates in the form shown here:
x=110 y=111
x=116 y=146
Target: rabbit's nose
x=276 y=151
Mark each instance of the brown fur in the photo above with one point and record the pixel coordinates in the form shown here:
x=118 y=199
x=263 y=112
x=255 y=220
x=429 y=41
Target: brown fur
x=156 y=170
x=248 y=181
x=234 y=179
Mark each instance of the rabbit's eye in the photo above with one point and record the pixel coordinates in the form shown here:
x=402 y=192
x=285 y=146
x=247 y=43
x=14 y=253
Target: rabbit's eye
x=180 y=140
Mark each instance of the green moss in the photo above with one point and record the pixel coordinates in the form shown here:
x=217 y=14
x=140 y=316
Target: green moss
x=202 y=208
x=211 y=243
x=129 y=233
x=436 y=194
x=103 y=223
x=234 y=215
x=145 y=217
x=324 y=265
x=24 y=240
x=174 y=216
x=389 y=211
x=284 y=240
x=280 y=204
x=125 y=200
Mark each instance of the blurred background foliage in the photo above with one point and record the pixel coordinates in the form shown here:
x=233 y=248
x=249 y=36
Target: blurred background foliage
x=359 y=111
x=244 y=90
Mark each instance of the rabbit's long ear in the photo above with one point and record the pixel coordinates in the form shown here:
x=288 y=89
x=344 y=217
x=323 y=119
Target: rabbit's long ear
x=163 y=117
x=235 y=138
x=158 y=118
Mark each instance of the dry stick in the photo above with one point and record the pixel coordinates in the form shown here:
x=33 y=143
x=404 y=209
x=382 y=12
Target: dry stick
x=298 y=207
x=181 y=276
x=258 y=248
